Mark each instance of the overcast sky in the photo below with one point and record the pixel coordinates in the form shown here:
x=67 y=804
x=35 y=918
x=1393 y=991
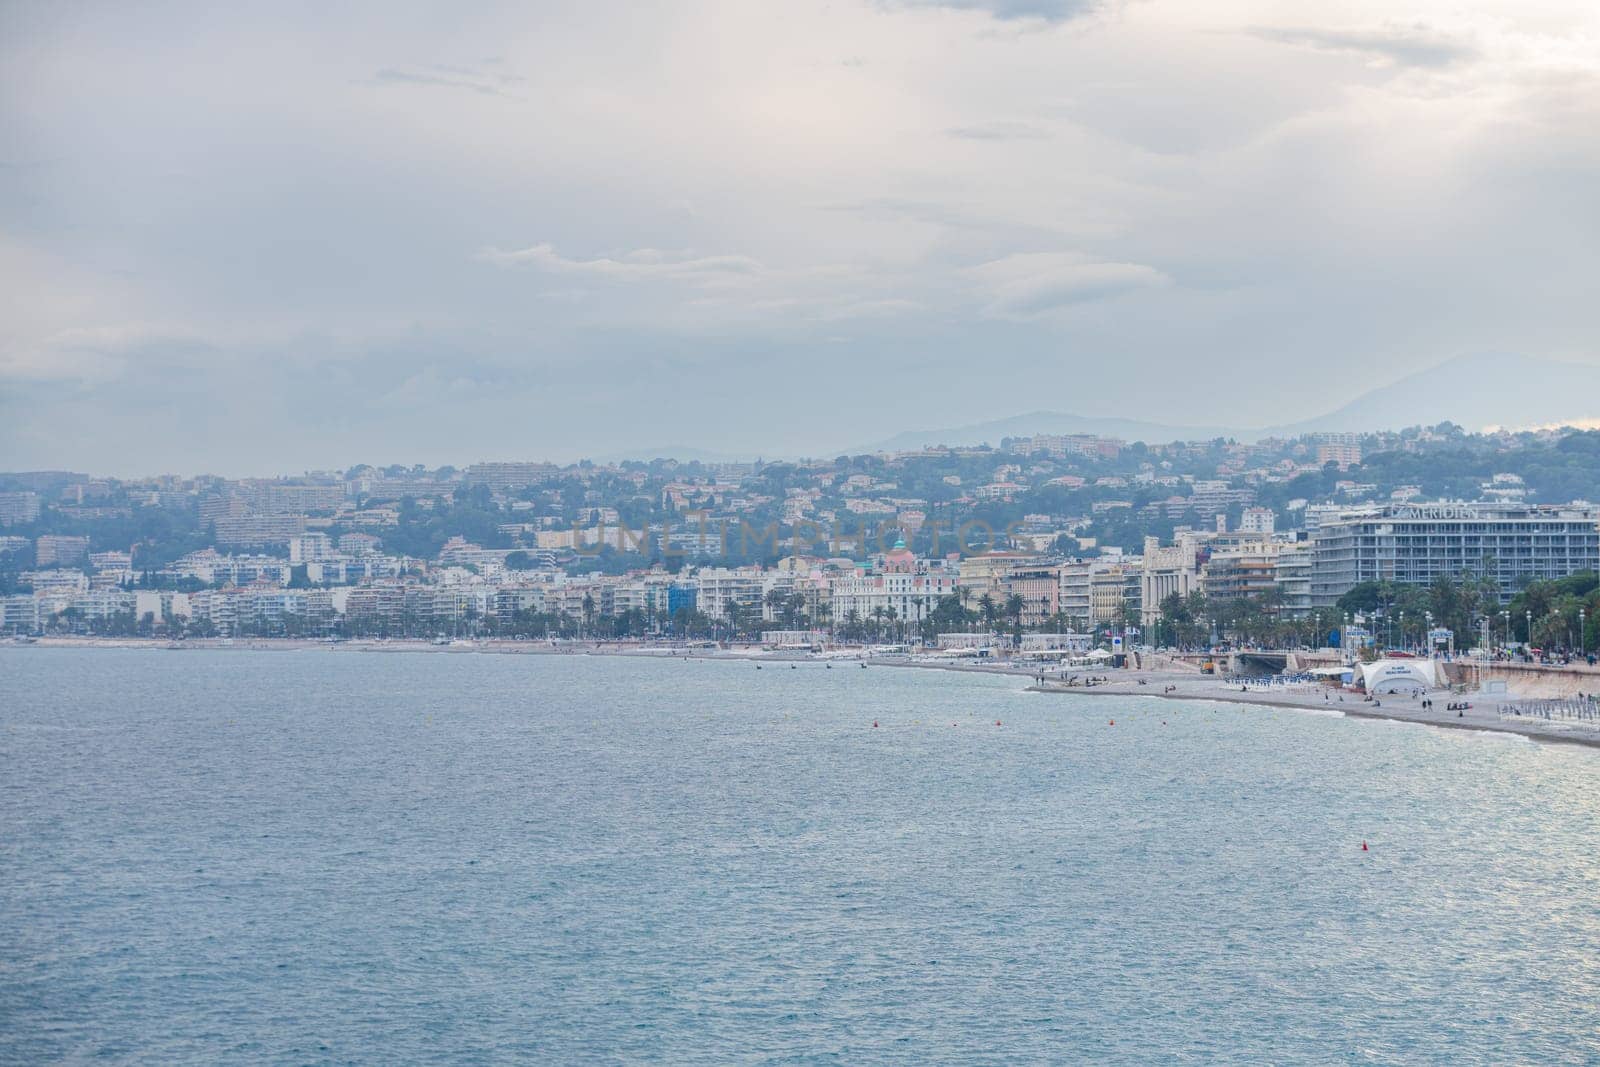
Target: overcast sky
x=254 y=241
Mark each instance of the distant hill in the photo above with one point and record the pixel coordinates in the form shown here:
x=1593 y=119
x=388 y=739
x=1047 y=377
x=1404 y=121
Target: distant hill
x=1475 y=391
x=681 y=453
x=1053 y=422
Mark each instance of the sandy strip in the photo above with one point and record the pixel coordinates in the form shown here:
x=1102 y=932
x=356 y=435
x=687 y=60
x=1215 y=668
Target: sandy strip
x=1481 y=720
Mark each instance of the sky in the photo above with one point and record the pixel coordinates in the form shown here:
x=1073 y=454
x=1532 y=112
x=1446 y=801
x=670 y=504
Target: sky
x=264 y=239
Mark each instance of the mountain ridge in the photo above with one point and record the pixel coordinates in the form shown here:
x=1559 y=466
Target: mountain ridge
x=1526 y=391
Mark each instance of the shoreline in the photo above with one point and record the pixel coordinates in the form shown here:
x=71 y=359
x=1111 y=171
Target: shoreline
x=1122 y=683
x=1497 y=726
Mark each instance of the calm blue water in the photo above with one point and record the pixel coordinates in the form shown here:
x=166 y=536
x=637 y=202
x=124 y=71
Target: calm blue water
x=414 y=858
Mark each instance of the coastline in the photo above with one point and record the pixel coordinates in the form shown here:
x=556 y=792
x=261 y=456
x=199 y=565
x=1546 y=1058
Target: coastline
x=1355 y=711
x=1483 y=717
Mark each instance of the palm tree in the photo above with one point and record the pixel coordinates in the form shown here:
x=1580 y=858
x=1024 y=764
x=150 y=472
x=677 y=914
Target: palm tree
x=776 y=599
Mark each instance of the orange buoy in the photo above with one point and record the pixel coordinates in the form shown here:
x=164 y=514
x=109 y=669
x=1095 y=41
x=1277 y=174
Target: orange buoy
x=1113 y=722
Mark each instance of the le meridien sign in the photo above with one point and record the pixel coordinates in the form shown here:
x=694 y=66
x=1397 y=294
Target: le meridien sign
x=1440 y=512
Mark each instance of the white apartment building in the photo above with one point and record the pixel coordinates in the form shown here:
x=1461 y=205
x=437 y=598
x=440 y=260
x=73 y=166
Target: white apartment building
x=912 y=597
x=310 y=547
x=19 y=614
x=1257 y=520
x=720 y=586
x=1167 y=571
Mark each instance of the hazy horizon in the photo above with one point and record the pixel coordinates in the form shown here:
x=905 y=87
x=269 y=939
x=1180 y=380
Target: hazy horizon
x=299 y=238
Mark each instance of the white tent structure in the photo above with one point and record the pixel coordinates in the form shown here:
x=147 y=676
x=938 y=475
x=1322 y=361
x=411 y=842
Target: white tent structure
x=1391 y=675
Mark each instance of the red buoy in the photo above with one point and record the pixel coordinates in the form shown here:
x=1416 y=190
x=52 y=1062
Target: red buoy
x=1113 y=722
x=997 y=722
x=1364 y=846
x=874 y=724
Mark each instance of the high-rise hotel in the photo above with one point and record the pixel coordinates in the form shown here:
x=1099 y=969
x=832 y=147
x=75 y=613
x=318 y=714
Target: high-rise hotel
x=1415 y=544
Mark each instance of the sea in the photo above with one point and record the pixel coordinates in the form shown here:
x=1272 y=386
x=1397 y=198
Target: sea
x=308 y=857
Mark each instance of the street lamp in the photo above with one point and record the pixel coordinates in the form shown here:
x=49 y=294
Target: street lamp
x=1583 y=637
x=1527 y=639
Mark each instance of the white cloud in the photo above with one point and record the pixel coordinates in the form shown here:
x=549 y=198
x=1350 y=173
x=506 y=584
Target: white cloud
x=1034 y=285
x=639 y=265
x=900 y=183
x=1417 y=44
x=1043 y=10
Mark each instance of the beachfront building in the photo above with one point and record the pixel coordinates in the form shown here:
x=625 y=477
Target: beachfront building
x=1075 y=598
x=1292 y=574
x=912 y=597
x=1416 y=544
x=1116 y=591
x=645 y=594
x=1098 y=592
x=1168 y=571
x=903 y=588
x=19 y=614
x=720 y=586
x=1242 y=570
x=511 y=601
x=1039 y=587
x=982 y=574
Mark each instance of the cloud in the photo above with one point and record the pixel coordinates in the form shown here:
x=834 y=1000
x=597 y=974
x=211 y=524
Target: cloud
x=997 y=131
x=97 y=354
x=1043 y=10
x=1033 y=285
x=1416 y=45
x=642 y=264
x=449 y=77
x=1239 y=181
x=871 y=309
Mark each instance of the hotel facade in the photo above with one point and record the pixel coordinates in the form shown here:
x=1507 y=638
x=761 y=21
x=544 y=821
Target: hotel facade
x=1416 y=544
